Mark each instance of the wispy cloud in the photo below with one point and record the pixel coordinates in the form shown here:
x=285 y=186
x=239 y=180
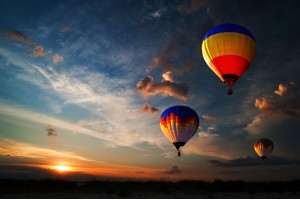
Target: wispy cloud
x=208 y=117
x=208 y=143
x=23 y=114
x=114 y=109
x=158 y=13
x=25 y=150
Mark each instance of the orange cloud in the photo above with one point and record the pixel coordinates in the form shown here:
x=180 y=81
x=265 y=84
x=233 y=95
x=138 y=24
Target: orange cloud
x=208 y=117
x=64 y=28
x=15 y=36
x=285 y=103
x=57 y=58
x=147 y=87
x=39 y=51
x=149 y=109
x=261 y=103
x=281 y=90
x=168 y=76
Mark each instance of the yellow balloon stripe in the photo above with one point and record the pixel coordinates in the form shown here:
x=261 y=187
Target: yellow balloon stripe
x=175 y=131
x=228 y=43
x=263 y=151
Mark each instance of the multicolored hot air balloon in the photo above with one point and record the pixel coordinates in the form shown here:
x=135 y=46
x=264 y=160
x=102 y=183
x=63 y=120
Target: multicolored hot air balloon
x=179 y=124
x=263 y=147
x=228 y=49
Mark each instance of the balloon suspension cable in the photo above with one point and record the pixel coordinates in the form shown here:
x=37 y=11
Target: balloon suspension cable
x=178 y=153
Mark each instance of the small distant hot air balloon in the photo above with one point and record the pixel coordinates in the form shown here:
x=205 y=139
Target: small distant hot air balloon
x=263 y=147
x=51 y=131
x=179 y=124
x=228 y=49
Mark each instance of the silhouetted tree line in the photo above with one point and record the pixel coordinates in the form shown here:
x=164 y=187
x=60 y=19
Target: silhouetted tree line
x=123 y=188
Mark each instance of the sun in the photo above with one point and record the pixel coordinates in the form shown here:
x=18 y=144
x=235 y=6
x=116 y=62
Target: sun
x=62 y=168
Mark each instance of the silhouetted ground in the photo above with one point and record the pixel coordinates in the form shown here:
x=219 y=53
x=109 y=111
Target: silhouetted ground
x=51 y=188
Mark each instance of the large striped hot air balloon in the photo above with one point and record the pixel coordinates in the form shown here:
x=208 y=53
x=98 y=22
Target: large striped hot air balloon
x=263 y=147
x=229 y=49
x=179 y=124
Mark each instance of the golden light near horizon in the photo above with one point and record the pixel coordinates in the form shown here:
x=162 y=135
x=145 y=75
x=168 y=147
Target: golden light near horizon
x=62 y=168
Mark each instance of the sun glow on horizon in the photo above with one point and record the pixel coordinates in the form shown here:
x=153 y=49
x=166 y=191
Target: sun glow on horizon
x=62 y=168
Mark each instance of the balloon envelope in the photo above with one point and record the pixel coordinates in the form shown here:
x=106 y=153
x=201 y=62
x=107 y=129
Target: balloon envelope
x=228 y=49
x=263 y=147
x=179 y=124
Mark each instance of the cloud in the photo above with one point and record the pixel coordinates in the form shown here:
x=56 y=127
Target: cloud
x=250 y=161
x=25 y=150
x=281 y=90
x=284 y=103
x=39 y=51
x=208 y=117
x=206 y=143
x=174 y=170
x=149 y=109
x=157 y=14
x=42 y=119
x=64 y=28
x=168 y=76
x=105 y=98
x=16 y=36
x=169 y=53
x=191 y=7
x=57 y=58
x=167 y=87
x=115 y=110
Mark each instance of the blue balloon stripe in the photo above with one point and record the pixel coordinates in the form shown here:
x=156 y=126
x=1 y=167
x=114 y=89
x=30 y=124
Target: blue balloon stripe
x=228 y=28
x=183 y=112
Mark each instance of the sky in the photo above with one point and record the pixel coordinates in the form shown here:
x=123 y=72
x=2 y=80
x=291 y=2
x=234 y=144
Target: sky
x=99 y=74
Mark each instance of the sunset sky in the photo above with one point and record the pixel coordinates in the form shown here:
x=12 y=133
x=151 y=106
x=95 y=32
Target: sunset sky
x=81 y=68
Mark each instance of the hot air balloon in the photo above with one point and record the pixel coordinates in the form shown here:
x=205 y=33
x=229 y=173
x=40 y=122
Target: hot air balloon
x=263 y=147
x=228 y=49
x=179 y=124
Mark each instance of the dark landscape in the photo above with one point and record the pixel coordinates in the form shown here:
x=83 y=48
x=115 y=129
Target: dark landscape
x=54 y=188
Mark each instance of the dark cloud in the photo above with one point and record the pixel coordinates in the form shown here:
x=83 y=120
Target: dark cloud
x=285 y=102
x=149 y=109
x=191 y=7
x=250 y=161
x=147 y=87
x=65 y=28
x=16 y=36
x=24 y=172
x=174 y=170
x=167 y=57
